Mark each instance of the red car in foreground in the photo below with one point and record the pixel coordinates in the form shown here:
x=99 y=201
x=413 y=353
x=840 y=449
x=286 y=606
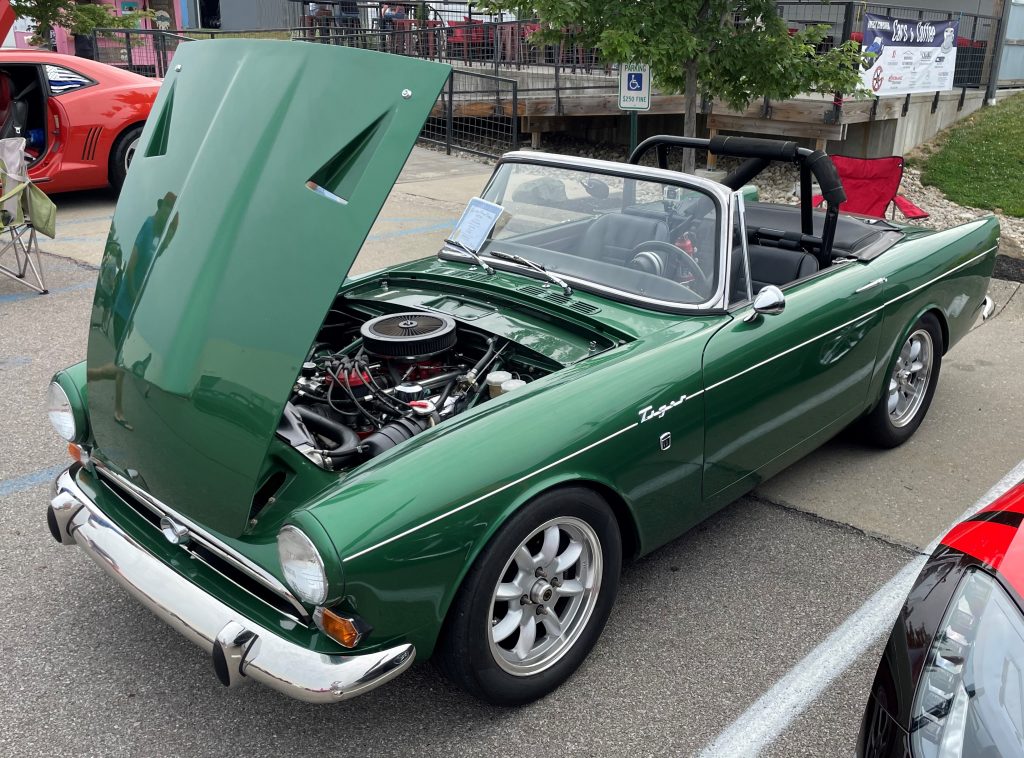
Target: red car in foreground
x=951 y=682
x=81 y=119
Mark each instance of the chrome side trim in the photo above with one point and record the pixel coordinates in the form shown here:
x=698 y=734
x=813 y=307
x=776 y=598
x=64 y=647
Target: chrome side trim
x=201 y=537
x=987 y=308
x=247 y=651
x=504 y=487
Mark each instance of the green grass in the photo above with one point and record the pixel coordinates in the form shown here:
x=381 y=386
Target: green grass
x=980 y=161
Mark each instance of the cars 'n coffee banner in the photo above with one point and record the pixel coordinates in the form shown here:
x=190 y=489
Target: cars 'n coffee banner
x=908 y=55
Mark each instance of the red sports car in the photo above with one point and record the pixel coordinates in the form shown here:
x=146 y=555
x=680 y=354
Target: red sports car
x=951 y=682
x=81 y=119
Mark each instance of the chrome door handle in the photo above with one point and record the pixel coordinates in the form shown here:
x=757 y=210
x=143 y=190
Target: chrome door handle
x=871 y=285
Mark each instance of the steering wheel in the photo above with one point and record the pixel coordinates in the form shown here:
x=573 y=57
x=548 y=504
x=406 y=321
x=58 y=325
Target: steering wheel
x=650 y=257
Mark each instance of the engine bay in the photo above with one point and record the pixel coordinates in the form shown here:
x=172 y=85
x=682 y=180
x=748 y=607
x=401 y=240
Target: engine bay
x=371 y=383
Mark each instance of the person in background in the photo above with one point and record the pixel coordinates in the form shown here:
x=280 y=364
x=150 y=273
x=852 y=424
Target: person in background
x=318 y=12
x=390 y=13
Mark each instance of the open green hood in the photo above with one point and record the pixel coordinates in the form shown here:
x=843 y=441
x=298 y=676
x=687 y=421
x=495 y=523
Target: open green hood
x=259 y=174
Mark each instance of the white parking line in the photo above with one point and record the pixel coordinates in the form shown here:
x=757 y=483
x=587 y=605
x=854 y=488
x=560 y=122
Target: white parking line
x=775 y=710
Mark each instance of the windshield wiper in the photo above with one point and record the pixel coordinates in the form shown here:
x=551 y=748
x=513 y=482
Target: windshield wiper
x=566 y=289
x=476 y=258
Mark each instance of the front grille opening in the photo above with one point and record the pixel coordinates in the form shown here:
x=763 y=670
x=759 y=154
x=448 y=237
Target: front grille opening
x=132 y=502
x=224 y=567
x=242 y=579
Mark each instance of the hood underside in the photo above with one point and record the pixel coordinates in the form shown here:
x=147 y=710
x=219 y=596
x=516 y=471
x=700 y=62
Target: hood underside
x=260 y=172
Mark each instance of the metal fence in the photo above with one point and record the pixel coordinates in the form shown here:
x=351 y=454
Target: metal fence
x=144 y=51
x=499 y=45
x=475 y=113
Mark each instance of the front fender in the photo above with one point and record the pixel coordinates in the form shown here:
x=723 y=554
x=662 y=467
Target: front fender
x=410 y=523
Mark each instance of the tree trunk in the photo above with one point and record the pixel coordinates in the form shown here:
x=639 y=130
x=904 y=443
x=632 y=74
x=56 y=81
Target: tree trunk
x=690 y=101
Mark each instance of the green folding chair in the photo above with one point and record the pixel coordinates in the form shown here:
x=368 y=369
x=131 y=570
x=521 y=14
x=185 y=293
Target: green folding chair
x=24 y=210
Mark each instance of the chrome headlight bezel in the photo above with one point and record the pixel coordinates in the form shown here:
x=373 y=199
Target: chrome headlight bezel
x=61 y=412
x=302 y=566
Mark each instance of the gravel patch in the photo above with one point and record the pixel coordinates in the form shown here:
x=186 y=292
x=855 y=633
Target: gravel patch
x=1009 y=268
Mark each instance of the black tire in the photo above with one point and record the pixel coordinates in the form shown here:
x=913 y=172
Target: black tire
x=119 y=156
x=879 y=426
x=464 y=651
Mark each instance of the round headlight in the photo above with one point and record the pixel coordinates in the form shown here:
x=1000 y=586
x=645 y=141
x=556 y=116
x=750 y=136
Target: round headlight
x=58 y=407
x=302 y=565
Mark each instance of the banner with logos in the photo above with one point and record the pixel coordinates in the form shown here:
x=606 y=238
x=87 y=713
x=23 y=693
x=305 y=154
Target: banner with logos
x=908 y=55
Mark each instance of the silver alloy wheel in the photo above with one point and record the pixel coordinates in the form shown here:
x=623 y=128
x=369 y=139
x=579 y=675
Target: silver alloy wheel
x=545 y=596
x=910 y=377
x=129 y=154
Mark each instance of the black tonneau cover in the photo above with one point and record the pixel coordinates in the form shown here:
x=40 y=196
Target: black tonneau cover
x=858 y=237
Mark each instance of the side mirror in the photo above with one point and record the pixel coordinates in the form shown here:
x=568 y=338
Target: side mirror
x=769 y=300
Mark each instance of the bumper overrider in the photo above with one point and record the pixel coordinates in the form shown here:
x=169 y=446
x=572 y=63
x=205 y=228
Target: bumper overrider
x=242 y=650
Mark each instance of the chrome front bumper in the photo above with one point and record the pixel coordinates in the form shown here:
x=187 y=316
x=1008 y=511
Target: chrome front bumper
x=242 y=650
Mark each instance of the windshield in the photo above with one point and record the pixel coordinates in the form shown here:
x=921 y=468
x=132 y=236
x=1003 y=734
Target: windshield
x=643 y=238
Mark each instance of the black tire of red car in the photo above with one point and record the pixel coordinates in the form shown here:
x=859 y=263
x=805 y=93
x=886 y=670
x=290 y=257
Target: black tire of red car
x=119 y=156
x=880 y=427
x=467 y=653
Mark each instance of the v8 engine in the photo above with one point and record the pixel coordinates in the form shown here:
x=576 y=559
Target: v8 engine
x=370 y=385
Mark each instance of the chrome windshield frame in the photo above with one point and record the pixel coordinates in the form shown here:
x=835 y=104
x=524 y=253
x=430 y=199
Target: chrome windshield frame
x=718 y=193
x=738 y=214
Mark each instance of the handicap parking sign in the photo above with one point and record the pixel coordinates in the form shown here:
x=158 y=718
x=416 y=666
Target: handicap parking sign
x=634 y=87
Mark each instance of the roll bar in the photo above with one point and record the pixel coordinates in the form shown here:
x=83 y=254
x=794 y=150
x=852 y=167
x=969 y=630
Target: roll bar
x=759 y=154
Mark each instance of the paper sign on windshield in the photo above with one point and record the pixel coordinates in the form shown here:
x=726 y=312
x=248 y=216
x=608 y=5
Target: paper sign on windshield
x=476 y=223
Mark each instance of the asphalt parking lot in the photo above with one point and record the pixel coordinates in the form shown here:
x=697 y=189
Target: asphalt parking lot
x=759 y=630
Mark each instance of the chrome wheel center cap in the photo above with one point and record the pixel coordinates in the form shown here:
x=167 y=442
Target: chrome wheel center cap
x=541 y=592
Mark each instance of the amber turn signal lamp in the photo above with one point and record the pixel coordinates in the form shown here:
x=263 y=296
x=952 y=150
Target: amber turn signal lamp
x=344 y=630
x=77 y=453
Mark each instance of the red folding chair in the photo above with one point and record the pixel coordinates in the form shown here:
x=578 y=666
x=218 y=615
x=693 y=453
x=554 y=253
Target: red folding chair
x=458 y=36
x=872 y=185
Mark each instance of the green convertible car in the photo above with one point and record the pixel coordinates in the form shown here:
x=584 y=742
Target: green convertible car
x=320 y=479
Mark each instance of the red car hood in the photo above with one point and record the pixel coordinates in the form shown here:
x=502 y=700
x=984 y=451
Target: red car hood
x=6 y=19
x=995 y=537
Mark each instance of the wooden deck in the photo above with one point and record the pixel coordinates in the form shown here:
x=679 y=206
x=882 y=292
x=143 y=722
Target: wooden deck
x=808 y=117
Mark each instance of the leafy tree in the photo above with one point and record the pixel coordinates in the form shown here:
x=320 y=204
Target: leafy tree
x=736 y=50
x=77 y=18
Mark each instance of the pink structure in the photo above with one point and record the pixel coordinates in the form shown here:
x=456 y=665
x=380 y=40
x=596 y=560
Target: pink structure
x=170 y=14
